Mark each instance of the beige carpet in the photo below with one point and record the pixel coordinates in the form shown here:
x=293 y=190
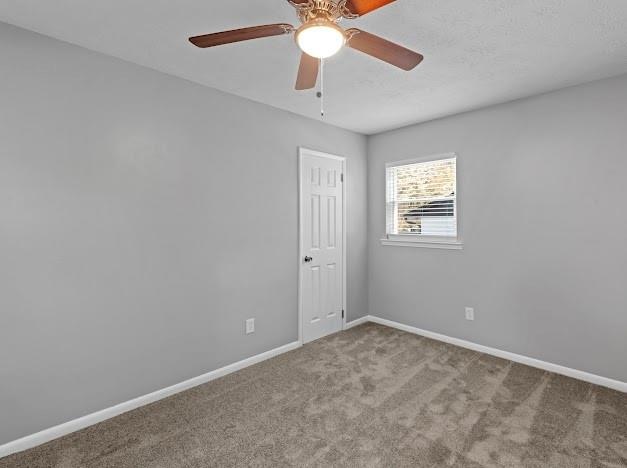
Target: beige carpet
x=369 y=397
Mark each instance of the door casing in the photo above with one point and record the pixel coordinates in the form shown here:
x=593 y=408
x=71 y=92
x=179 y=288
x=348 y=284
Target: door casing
x=302 y=153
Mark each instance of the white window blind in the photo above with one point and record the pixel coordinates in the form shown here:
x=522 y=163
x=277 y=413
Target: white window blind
x=422 y=199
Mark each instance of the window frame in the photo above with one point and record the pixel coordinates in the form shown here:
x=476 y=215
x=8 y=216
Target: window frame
x=417 y=240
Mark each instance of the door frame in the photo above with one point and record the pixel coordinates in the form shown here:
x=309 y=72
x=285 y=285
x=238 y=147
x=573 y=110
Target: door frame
x=302 y=152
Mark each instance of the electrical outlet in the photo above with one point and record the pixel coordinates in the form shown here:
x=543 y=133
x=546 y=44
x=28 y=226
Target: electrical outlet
x=250 y=326
x=470 y=313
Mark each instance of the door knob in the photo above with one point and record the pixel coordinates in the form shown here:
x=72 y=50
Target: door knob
x=308 y=259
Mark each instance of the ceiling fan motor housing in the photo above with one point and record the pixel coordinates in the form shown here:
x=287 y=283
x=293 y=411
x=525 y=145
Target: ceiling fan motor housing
x=327 y=9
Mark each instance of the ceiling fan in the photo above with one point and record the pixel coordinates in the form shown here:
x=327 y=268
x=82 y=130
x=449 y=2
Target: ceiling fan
x=320 y=36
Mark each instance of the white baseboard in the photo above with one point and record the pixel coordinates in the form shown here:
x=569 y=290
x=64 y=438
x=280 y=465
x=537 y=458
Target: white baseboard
x=547 y=366
x=72 y=426
x=356 y=322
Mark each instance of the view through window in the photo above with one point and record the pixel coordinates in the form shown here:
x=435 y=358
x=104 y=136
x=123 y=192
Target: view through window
x=422 y=199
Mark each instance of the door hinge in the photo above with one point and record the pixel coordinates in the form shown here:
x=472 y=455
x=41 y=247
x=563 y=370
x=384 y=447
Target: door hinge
x=342 y=177
x=342 y=313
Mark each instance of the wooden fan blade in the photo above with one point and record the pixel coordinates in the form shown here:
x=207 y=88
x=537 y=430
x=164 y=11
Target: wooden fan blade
x=307 y=72
x=383 y=49
x=363 y=7
x=238 y=35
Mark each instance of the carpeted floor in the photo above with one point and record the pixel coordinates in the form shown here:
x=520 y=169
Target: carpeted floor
x=368 y=397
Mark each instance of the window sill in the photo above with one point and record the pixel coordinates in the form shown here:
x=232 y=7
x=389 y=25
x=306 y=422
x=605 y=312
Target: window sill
x=425 y=244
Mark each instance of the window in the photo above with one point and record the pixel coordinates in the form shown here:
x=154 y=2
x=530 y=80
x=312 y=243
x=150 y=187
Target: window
x=421 y=202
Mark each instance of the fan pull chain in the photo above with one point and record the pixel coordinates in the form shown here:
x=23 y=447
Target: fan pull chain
x=321 y=93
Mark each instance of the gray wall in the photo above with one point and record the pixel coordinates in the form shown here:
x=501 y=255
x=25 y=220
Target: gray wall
x=142 y=219
x=543 y=192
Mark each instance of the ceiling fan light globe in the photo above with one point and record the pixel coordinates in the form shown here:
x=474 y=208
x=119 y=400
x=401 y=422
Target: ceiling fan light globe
x=320 y=39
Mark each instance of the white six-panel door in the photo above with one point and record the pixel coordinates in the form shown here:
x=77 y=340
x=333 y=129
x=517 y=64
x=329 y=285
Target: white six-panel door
x=322 y=244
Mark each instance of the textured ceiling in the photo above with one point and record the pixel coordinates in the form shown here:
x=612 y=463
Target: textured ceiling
x=477 y=53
